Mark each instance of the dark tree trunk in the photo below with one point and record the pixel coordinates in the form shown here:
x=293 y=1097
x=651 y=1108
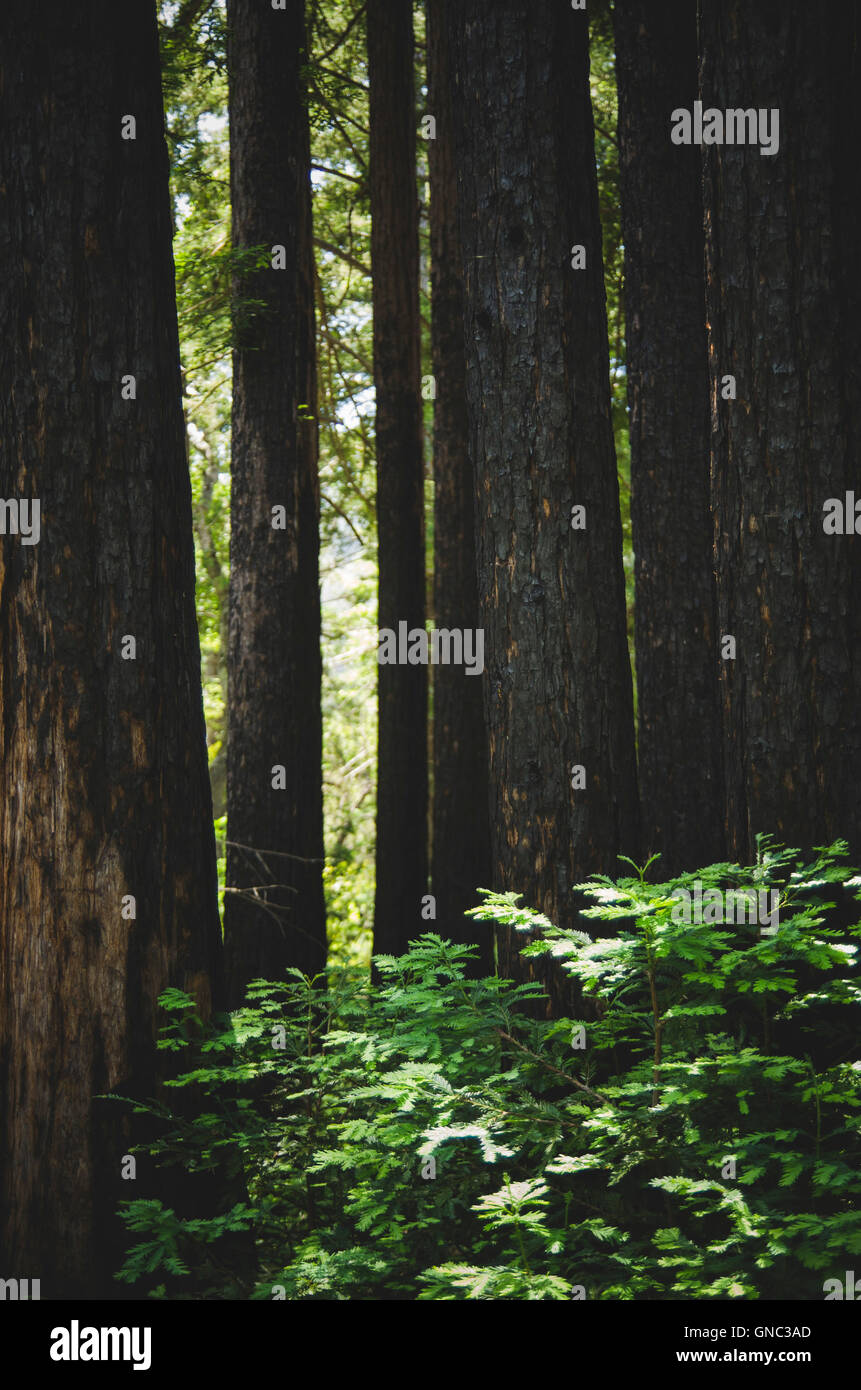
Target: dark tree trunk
x=784 y=316
x=274 y=908
x=461 y=829
x=401 y=852
x=558 y=681
x=667 y=368
x=104 y=793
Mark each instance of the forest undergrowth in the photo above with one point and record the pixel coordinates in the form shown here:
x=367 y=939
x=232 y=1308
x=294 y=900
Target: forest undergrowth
x=690 y=1132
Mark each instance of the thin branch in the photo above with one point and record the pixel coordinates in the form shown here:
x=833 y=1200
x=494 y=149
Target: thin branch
x=335 y=118
x=342 y=77
x=343 y=516
x=342 y=255
x=339 y=173
x=342 y=36
x=613 y=139
x=265 y=888
x=357 y=357
x=187 y=15
x=572 y=1081
x=277 y=853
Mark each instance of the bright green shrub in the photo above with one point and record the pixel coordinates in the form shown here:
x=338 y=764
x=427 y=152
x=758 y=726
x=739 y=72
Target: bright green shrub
x=431 y=1139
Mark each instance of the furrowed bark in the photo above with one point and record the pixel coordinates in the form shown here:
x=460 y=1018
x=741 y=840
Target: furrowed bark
x=104 y=794
x=274 y=908
x=558 y=683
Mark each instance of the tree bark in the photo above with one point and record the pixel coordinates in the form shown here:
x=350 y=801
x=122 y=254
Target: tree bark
x=460 y=828
x=104 y=795
x=784 y=317
x=274 y=907
x=558 y=682
x=402 y=813
x=667 y=372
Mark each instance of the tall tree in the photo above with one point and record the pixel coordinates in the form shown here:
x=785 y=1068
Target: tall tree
x=274 y=908
x=401 y=849
x=460 y=825
x=107 y=873
x=667 y=374
x=558 y=683
x=785 y=322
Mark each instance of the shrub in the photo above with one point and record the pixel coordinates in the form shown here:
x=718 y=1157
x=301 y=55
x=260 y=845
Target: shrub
x=431 y=1139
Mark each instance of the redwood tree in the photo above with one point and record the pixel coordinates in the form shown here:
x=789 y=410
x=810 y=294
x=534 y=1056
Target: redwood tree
x=401 y=849
x=784 y=316
x=667 y=374
x=107 y=872
x=558 y=682
x=460 y=825
x=274 y=906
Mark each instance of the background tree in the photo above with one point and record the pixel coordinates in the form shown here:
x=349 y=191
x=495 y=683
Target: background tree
x=107 y=889
x=461 y=831
x=783 y=312
x=558 y=683
x=196 y=96
x=401 y=848
x=338 y=89
x=678 y=711
x=274 y=909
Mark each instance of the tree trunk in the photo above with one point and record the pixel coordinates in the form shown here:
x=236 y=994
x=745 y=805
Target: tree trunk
x=401 y=851
x=558 y=681
x=784 y=317
x=274 y=907
x=667 y=371
x=107 y=886
x=461 y=828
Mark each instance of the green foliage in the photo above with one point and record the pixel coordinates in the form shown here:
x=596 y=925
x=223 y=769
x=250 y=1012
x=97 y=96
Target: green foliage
x=430 y=1138
x=602 y=87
